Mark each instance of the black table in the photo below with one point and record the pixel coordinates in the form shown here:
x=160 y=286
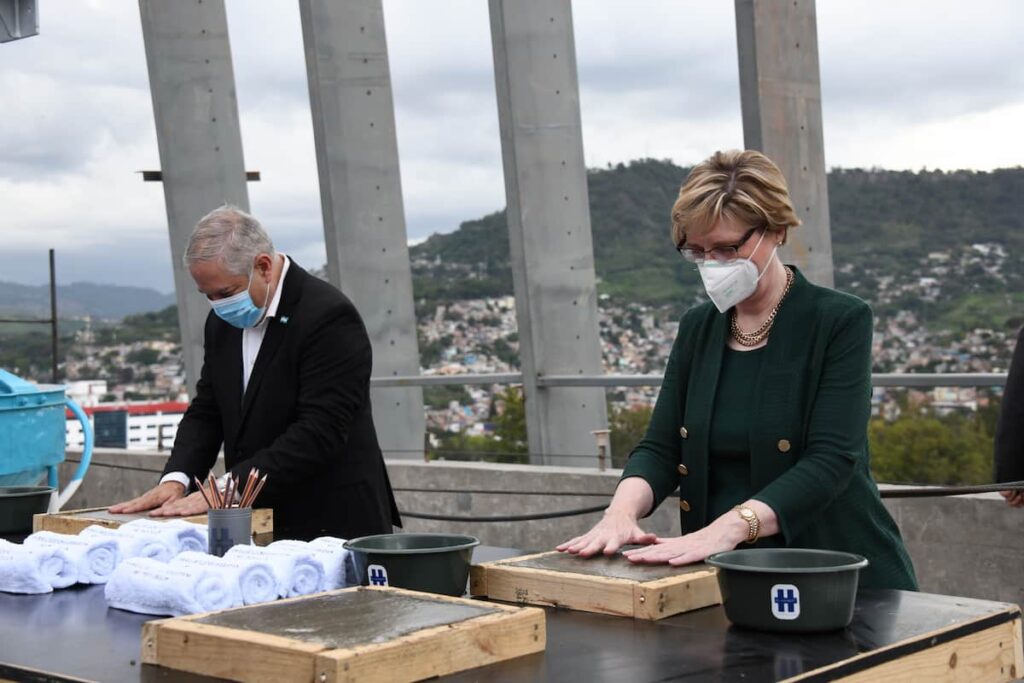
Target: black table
x=72 y=635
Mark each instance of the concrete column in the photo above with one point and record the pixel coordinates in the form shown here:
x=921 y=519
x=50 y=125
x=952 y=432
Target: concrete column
x=361 y=196
x=549 y=224
x=196 y=111
x=780 y=90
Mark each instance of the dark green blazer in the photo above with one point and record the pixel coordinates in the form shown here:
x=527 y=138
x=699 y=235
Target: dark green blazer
x=808 y=434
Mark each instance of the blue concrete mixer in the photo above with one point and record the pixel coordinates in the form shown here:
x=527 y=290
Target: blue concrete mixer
x=33 y=427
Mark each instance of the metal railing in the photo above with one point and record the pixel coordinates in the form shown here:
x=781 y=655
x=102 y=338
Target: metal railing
x=899 y=379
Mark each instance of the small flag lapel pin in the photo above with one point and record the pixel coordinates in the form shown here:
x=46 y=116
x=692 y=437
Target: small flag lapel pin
x=284 y=320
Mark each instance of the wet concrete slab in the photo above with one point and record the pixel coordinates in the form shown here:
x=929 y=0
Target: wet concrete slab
x=348 y=619
x=615 y=567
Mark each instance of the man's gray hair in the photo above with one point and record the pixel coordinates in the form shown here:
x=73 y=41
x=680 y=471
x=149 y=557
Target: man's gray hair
x=231 y=236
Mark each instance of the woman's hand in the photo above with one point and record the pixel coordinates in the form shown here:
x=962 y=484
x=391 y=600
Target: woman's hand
x=615 y=530
x=633 y=498
x=725 y=533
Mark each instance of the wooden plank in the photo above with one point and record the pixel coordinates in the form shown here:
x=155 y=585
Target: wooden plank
x=229 y=653
x=655 y=598
x=991 y=654
x=663 y=598
x=73 y=521
x=188 y=644
x=528 y=586
x=439 y=651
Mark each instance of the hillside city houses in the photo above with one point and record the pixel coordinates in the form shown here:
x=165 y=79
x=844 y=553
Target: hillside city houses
x=480 y=336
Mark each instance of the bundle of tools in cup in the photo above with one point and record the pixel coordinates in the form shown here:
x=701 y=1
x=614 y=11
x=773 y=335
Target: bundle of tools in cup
x=219 y=499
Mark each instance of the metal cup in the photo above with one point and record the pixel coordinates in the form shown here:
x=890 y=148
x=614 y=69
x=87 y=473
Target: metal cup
x=227 y=528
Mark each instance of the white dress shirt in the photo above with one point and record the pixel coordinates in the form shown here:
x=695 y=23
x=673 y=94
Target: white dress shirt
x=252 y=340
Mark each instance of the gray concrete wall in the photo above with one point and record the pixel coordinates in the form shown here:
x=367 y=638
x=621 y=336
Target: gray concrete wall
x=115 y=475
x=195 y=110
x=780 y=96
x=550 y=242
x=361 y=195
x=968 y=545
x=965 y=545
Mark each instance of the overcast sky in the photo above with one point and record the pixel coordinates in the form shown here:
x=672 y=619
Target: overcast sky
x=906 y=84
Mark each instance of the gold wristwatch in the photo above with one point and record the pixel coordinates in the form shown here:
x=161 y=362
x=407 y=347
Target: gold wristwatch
x=750 y=517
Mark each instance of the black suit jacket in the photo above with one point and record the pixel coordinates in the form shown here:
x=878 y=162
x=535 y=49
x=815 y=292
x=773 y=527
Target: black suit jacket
x=305 y=418
x=1010 y=430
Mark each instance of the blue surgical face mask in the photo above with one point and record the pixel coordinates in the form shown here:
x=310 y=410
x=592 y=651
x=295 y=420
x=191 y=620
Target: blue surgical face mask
x=239 y=309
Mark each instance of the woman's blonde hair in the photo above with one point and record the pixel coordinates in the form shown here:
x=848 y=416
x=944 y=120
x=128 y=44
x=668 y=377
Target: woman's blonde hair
x=744 y=186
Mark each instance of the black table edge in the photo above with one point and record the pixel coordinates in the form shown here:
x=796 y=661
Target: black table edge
x=926 y=641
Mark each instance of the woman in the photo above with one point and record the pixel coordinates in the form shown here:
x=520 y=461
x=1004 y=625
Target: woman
x=762 y=417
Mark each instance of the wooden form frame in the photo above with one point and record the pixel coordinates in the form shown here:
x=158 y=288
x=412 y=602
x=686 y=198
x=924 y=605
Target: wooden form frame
x=652 y=600
x=182 y=643
x=73 y=521
x=989 y=648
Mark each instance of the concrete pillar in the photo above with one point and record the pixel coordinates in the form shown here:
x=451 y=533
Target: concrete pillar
x=361 y=196
x=549 y=224
x=196 y=112
x=780 y=91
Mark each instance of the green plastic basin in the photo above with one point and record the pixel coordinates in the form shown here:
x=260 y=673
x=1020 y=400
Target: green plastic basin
x=788 y=589
x=433 y=563
x=18 y=504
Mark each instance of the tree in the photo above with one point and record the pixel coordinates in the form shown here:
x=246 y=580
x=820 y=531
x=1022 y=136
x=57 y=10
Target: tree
x=628 y=426
x=510 y=425
x=143 y=356
x=923 y=449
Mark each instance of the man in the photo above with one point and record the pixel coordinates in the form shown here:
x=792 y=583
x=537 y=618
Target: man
x=1010 y=430
x=285 y=388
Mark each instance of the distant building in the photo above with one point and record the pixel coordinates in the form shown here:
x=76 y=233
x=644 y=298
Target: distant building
x=86 y=392
x=134 y=426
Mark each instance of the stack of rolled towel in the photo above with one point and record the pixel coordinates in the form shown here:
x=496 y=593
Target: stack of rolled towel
x=196 y=582
x=148 y=586
x=152 y=539
x=162 y=568
x=48 y=560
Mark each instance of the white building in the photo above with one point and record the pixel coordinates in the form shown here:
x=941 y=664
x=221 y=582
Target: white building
x=87 y=392
x=145 y=426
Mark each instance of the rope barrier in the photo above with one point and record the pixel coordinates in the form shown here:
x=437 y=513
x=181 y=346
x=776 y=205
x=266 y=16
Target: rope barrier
x=503 y=518
x=935 y=491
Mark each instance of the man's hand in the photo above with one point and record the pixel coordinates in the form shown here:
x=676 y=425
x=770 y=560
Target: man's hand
x=154 y=498
x=1013 y=498
x=182 y=507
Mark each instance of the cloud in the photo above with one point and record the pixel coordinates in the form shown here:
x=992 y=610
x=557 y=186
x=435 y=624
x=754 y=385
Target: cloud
x=933 y=83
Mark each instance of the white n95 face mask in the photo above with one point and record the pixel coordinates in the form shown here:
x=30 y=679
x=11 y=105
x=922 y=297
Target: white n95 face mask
x=727 y=284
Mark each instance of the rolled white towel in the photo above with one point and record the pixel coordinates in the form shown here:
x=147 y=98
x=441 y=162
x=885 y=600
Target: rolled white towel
x=178 y=534
x=26 y=569
x=133 y=544
x=256 y=579
x=96 y=557
x=191 y=536
x=148 y=586
x=223 y=576
x=336 y=546
x=329 y=551
x=297 y=573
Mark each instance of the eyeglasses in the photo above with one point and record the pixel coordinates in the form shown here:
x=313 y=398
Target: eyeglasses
x=720 y=254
